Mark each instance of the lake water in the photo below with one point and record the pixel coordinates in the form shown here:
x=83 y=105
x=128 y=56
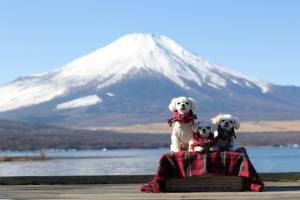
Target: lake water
x=133 y=162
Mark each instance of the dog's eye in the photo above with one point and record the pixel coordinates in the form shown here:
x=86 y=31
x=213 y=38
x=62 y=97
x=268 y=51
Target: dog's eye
x=187 y=103
x=231 y=122
x=222 y=120
x=178 y=103
x=199 y=127
x=208 y=127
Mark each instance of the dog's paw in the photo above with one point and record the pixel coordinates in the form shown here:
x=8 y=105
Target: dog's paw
x=199 y=149
x=214 y=149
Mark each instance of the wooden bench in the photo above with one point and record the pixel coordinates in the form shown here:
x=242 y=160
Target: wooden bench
x=205 y=183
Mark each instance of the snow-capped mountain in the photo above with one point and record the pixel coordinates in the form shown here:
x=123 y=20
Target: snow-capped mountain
x=133 y=79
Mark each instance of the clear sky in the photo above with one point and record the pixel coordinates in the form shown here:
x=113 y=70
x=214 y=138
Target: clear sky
x=260 y=38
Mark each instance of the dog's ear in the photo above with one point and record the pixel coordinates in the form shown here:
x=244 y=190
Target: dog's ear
x=216 y=134
x=193 y=104
x=236 y=123
x=172 y=105
x=216 y=119
x=213 y=126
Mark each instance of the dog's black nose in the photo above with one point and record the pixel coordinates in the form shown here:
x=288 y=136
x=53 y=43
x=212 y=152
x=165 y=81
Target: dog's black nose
x=183 y=105
x=226 y=123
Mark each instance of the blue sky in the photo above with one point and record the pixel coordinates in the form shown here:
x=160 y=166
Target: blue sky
x=260 y=38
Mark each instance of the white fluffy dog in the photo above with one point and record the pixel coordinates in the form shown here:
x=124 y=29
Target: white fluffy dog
x=225 y=135
x=183 y=109
x=203 y=138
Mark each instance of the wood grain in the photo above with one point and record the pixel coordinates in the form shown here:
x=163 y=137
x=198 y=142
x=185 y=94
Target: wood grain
x=276 y=191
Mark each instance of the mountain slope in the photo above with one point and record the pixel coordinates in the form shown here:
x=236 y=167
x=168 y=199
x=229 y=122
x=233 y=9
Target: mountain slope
x=133 y=79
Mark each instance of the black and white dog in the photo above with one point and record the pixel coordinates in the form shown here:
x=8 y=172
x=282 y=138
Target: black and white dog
x=225 y=134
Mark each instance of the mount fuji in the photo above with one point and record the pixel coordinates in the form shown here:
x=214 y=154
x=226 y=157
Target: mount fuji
x=132 y=80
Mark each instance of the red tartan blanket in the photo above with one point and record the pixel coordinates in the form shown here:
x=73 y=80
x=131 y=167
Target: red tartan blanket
x=185 y=164
x=183 y=118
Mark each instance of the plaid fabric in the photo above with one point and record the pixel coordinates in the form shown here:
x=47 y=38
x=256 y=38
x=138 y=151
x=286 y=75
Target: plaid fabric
x=183 y=118
x=202 y=142
x=186 y=164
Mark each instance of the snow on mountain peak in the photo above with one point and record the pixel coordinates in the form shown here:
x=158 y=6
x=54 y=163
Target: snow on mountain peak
x=108 y=65
x=153 y=53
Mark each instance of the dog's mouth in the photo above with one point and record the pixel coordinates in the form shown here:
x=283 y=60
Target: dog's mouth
x=204 y=134
x=227 y=126
x=182 y=108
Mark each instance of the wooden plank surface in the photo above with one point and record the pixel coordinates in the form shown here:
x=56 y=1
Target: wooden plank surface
x=205 y=183
x=117 y=179
x=274 y=190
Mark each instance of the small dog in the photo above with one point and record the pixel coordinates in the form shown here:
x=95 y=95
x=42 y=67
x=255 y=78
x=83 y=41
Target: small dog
x=183 y=109
x=203 y=140
x=225 y=134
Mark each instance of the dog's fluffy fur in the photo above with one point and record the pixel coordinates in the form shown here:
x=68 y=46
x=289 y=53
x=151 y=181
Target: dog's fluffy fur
x=204 y=129
x=225 y=134
x=182 y=133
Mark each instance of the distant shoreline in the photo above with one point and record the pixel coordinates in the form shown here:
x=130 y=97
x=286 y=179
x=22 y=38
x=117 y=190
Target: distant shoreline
x=246 y=127
x=44 y=158
x=113 y=140
x=33 y=137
